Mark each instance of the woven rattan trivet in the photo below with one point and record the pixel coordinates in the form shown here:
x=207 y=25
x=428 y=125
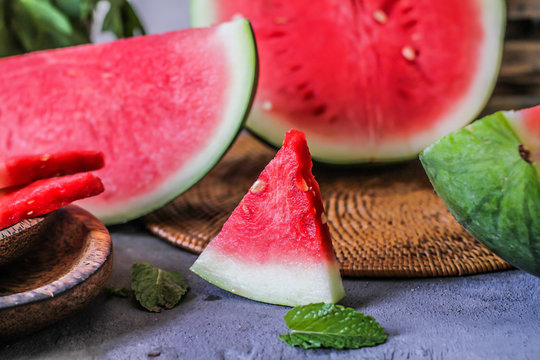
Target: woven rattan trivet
x=385 y=221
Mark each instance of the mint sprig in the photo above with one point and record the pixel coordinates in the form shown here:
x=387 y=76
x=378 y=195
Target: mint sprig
x=156 y=289
x=330 y=325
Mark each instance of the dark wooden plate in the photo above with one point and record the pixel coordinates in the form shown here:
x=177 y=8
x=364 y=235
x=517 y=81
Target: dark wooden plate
x=67 y=267
x=16 y=240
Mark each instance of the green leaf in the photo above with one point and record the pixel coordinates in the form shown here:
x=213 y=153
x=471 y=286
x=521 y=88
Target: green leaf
x=8 y=44
x=113 y=291
x=87 y=8
x=330 y=325
x=132 y=24
x=155 y=288
x=71 y=8
x=46 y=17
x=121 y=20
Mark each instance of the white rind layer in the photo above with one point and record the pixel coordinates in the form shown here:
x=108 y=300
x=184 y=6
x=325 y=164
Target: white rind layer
x=271 y=128
x=290 y=284
x=237 y=38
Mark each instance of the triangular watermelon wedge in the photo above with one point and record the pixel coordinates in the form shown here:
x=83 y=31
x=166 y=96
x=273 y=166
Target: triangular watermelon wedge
x=276 y=245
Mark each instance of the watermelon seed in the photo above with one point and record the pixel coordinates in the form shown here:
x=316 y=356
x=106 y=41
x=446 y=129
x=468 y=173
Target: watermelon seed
x=280 y=20
x=302 y=86
x=319 y=110
x=408 y=53
x=277 y=34
x=410 y=24
x=267 y=105
x=309 y=95
x=258 y=186
x=302 y=185
x=45 y=157
x=524 y=153
x=30 y=202
x=380 y=16
x=296 y=68
x=29 y=213
x=324 y=219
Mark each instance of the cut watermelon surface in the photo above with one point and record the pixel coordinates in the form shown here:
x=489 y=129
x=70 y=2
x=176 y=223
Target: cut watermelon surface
x=368 y=80
x=21 y=170
x=163 y=109
x=44 y=196
x=276 y=245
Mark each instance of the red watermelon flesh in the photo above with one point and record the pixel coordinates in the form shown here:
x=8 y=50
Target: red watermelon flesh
x=162 y=108
x=276 y=245
x=526 y=125
x=368 y=79
x=21 y=170
x=44 y=196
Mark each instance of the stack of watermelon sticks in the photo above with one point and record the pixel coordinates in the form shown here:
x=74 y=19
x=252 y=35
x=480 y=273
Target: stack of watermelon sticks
x=34 y=185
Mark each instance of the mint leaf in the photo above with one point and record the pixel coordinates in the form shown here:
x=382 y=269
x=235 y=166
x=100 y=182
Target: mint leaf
x=122 y=20
x=113 y=291
x=329 y=325
x=47 y=17
x=157 y=289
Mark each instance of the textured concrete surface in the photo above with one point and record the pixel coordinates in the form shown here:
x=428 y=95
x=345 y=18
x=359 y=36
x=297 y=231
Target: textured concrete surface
x=490 y=316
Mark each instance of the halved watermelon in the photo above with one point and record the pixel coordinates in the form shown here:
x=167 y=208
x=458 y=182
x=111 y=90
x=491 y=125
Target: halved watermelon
x=368 y=80
x=44 y=196
x=488 y=176
x=21 y=170
x=163 y=108
x=276 y=245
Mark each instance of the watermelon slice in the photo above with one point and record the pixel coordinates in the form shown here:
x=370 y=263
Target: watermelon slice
x=44 y=196
x=276 y=245
x=163 y=109
x=488 y=175
x=21 y=170
x=368 y=80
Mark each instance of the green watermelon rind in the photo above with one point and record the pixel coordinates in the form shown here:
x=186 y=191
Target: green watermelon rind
x=492 y=192
x=241 y=48
x=271 y=129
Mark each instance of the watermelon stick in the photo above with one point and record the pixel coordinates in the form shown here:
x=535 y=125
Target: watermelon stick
x=44 y=196
x=24 y=169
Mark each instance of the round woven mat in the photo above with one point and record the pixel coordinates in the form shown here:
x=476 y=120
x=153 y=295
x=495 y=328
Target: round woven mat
x=385 y=221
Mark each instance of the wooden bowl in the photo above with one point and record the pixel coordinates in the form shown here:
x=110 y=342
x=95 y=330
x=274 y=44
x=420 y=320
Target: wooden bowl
x=16 y=240
x=67 y=267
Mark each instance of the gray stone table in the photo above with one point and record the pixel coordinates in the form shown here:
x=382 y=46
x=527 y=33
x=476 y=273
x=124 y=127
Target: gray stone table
x=489 y=316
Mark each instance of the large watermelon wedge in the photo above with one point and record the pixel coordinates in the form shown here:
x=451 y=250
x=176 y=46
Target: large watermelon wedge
x=276 y=246
x=488 y=175
x=162 y=108
x=368 y=80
